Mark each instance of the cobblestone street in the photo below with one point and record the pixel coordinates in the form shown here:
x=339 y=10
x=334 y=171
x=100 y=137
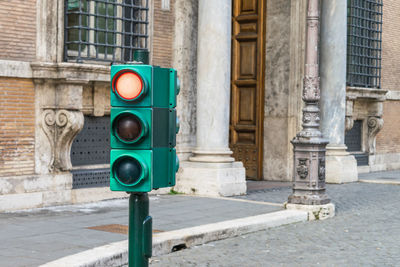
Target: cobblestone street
x=364 y=232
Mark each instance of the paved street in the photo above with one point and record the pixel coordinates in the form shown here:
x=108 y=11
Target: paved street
x=364 y=232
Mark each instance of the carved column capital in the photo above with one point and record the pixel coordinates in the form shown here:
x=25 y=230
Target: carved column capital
x=375 y=124
x=61 y=126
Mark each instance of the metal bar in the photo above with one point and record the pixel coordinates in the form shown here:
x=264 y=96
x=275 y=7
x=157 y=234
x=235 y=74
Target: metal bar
x=79 y=33
x=65 y=31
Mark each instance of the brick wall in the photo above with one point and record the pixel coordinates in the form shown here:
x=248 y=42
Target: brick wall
x=163 y=33
x=391 y=45
x=388 y=139
x=17 y=126
x=18 y=29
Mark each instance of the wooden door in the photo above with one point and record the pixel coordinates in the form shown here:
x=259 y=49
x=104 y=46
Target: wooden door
x=247 y=85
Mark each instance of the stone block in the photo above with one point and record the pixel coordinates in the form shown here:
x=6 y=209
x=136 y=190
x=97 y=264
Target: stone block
x=211 y=179
x=315 y=212
x=20 y=201
x=341 y=167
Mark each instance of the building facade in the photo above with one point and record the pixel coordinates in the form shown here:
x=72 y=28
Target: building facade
x=241 y=66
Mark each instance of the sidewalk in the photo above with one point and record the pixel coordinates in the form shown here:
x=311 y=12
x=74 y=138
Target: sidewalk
x=35 y=237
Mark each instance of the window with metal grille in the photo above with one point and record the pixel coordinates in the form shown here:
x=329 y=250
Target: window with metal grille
x=104 y=30
x=364 y=43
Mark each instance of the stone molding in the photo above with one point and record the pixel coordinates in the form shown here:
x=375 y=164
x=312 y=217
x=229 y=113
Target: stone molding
x=354 y=93
x=17 y=69
x=70 y=72
x=393 y=95
x=59 y=97
x=366 y=104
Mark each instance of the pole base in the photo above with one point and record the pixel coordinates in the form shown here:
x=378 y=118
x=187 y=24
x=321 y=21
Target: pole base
x=309 y=172
x=309 y=198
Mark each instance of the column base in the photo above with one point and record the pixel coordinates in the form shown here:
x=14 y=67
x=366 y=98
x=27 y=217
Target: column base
x=212 y=156
x=211 y=179
x=341 y=167
x=315 y=212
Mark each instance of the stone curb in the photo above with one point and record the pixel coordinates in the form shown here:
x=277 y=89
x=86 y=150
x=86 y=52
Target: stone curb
x=116 y=254
x=380 y=181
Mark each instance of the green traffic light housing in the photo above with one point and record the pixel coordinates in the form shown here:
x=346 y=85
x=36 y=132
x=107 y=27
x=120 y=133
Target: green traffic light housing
x=143 y=127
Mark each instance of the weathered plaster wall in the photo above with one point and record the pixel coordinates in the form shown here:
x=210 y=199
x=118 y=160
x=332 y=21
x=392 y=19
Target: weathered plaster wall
x=184 y=60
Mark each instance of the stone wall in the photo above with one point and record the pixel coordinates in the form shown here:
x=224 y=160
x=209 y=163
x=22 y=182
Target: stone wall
x=17 y=126
x=18 y=29
x=283 y=75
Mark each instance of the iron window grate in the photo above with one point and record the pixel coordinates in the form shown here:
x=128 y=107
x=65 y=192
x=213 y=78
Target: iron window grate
x=353 y=137
x=92 y=146
x=364 y=43
x=104 y=30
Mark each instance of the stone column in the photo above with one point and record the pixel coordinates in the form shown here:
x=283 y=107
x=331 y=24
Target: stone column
x=211 y=170
x=340 y=165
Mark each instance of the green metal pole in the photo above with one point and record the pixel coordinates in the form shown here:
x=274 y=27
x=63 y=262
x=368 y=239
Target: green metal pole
x=140 y=230
x=141 y=56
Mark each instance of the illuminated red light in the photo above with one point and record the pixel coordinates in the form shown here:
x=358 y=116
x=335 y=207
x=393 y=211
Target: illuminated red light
x=129 y=85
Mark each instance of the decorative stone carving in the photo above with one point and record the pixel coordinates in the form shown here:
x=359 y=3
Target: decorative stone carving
x=307 y=117
x=321 y=169
x=61 y=126
x=311 y=90
x=302 y=169
x=375 y=124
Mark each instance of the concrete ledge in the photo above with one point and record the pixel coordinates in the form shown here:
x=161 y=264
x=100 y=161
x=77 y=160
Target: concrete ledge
x=116 y=254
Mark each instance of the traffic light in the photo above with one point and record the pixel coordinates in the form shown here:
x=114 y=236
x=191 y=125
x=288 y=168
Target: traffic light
x=143 y=127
